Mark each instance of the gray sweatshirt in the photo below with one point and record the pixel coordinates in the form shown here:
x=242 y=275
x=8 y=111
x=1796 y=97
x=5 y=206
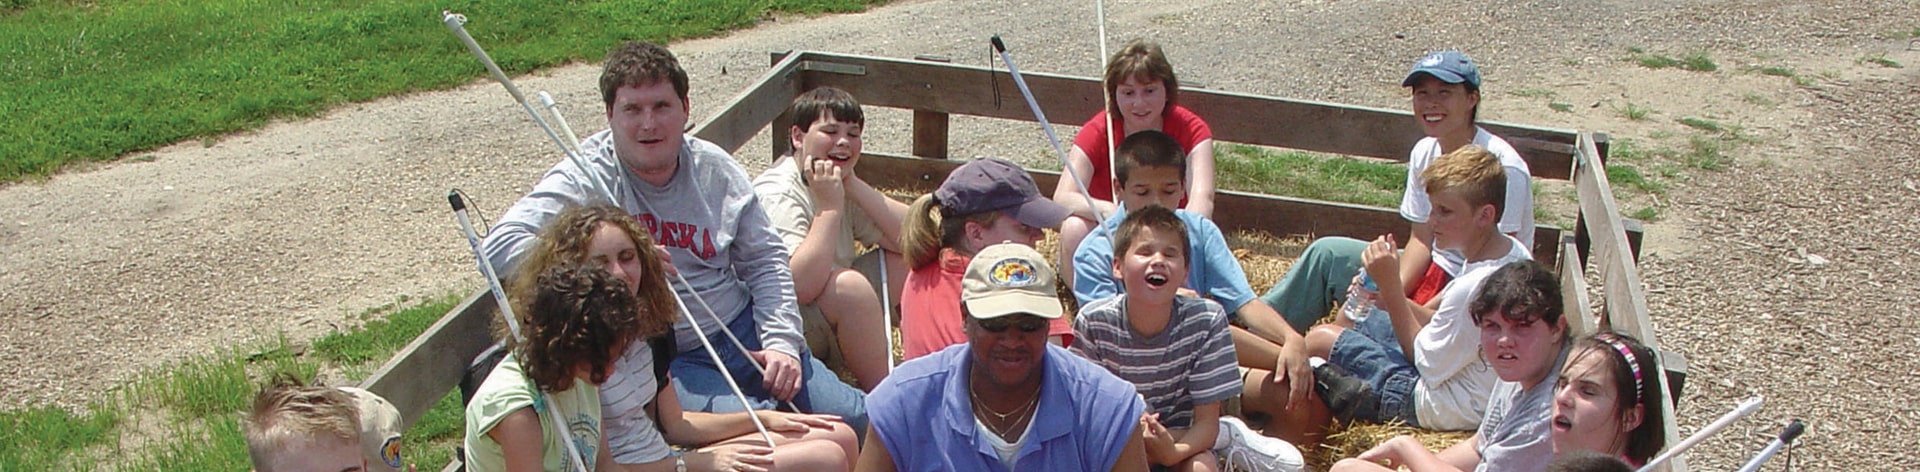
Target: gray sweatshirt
x=707 y=216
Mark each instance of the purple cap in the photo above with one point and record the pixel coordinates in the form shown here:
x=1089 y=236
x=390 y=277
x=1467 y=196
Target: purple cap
x=991 y=184
x=1449 y=66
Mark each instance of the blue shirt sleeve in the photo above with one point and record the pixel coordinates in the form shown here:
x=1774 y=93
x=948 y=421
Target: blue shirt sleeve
x=1220 y=276
x=1093 y=267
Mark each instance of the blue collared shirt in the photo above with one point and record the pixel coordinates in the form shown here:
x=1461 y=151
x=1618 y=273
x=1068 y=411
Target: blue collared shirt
x=922 y=414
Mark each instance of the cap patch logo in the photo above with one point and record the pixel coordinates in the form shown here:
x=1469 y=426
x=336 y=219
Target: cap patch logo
x=390 y=452
x=1430 y=61
x=1012 y=273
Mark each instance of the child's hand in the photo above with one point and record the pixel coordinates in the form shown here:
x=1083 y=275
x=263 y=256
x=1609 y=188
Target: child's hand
x=796 y=422
x=1158 y=440
x=1382 y=261
x=824 y=181
x=1392 y=453
x=740 y=457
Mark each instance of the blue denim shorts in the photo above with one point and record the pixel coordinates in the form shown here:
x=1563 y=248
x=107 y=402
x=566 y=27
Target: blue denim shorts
x=1370 y=352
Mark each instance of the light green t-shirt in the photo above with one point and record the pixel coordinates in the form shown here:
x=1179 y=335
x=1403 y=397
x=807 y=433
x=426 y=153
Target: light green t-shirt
x=508 y=390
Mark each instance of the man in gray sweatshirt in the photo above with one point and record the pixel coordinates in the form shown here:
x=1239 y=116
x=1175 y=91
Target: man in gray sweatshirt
x=699 y=204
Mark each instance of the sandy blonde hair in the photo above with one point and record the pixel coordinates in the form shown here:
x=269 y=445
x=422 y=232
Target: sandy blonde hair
x=1471 y=172
x=564 y=241
x=286 y=410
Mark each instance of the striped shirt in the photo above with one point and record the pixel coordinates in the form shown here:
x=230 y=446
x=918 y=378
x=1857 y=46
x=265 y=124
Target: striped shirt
x=632 y=437
x=1191 y=362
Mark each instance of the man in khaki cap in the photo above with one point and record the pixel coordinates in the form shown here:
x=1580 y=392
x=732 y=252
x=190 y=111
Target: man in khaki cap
x=1005 y=400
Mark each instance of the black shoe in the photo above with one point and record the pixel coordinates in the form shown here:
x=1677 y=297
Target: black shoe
x=1349 y=397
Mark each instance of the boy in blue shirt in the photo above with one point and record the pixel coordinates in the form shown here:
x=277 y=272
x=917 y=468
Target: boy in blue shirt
x=1151 y=170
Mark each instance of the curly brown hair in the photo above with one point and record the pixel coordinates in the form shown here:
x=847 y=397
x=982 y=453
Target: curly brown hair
x=578 y=315
x=564 y=242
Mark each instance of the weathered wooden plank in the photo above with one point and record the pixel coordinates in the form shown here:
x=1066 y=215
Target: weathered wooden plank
x=1261 y=120
x=1573 y=290
x=430 y=366
x=1234 y=211
x=752 y=110
x=930 y=134
x=1625 y=297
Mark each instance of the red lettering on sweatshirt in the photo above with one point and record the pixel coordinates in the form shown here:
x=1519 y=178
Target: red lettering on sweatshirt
x=696 y=240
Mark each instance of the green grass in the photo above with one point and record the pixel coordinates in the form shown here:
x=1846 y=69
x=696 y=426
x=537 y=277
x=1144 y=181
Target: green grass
x=1757 y=99
x=198 y=404
x=1647 y=214
x=1309 y=175
x=1634 y=112
x=1702 y=124
x=1706 y=153
x=1697 y=61
x=1532 y=93
x=1562 y=107
x=92 y=81
x=1881 y=60
x=1777 y=71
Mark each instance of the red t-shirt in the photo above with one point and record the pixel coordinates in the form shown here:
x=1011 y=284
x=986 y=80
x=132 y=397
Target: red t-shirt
x=930 y=308
x=1185 y=127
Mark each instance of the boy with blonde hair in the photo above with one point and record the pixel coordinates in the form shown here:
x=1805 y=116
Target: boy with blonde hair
x=1407 y=362
x=297 y=428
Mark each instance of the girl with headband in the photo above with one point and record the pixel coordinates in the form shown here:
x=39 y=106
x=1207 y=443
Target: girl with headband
x=1609 y=400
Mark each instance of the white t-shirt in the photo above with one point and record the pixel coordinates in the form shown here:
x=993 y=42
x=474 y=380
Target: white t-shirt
x=1454 y=380
x=1515 y=218
x=632 y=436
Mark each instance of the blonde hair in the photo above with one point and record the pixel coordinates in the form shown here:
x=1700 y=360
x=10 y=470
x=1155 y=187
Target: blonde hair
x=286 y=410
x=1471 y=172
x=564 y=241
x=929 y=228
x=1142 y=61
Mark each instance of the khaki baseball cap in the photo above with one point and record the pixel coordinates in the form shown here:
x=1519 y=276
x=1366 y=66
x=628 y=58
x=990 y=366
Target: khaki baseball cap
x=1006 y=279
x=379 y=430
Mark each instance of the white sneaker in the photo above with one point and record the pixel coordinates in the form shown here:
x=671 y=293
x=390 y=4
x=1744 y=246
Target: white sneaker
x=1239 y=447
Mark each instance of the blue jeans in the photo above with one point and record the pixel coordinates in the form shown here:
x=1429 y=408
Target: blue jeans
x=1370 y=352
x=701 y=388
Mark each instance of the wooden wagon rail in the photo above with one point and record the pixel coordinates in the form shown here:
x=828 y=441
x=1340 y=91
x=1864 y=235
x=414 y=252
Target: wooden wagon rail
x=432 y=364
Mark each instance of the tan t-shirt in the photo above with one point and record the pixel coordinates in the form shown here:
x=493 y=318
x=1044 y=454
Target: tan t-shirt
x=789 y=205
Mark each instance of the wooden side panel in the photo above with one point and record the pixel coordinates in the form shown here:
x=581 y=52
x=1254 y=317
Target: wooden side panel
x=1625 y=297
x=750 y=111
x=1067 y=100
x=1573 y=290
x=430 y=366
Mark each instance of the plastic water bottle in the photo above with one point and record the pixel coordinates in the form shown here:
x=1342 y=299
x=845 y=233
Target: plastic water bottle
x=1355 y=308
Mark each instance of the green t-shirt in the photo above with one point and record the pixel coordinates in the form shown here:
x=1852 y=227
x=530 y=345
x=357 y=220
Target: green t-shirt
x=508 y=390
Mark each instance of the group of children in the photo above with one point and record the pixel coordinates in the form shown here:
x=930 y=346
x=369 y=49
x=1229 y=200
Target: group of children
x=1464 y=331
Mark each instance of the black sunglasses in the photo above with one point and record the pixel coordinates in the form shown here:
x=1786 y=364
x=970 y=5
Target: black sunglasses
x=1027 y=324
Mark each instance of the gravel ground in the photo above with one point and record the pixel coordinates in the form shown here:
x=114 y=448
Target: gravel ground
x=299 y=226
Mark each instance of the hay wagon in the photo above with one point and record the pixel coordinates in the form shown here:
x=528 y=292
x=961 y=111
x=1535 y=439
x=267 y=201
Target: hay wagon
x=1603 y=246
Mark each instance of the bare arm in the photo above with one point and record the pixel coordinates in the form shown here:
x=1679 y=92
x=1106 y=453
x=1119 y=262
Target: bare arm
x=874 y=457
x=1067 y=194
x=1197 y=439
x=1404 y=451
x=1133 y=458
x=887 y=214
x=521 y=441
x=1289 y=361
x=1200 y=179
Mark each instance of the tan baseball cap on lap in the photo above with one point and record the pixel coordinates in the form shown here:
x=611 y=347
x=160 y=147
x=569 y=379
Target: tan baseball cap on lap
x=379 y=430
x=1006 y=279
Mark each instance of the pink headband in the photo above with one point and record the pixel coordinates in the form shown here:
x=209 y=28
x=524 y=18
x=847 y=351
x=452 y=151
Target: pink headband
x=1633 y=363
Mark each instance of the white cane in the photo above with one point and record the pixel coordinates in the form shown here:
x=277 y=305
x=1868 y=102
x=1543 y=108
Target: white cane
x=506 y=311
x=886 y=308
x=1021 y=82
x=1745 y=408
x=554 y=109
x=454 y=22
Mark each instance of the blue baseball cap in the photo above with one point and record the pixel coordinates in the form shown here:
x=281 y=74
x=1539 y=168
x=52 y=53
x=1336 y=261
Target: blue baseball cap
x=1449 y=66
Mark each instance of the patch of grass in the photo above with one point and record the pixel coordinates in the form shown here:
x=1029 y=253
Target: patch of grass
x=38 y=438
x=1882 y=61
x=1757 y=99
x=1634 y=112
x=1706 y=153
x=1777 y=71
x=1562 y=107
x=200 y=401
x=1309 y=175
x=1697 y=61
x=1702 y=124
x=1623 y=176
x=1531 y=93
x=1903 y=34
x=90 y=82
x=1647 y=214
x=1803 y=81
x=380 y=338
